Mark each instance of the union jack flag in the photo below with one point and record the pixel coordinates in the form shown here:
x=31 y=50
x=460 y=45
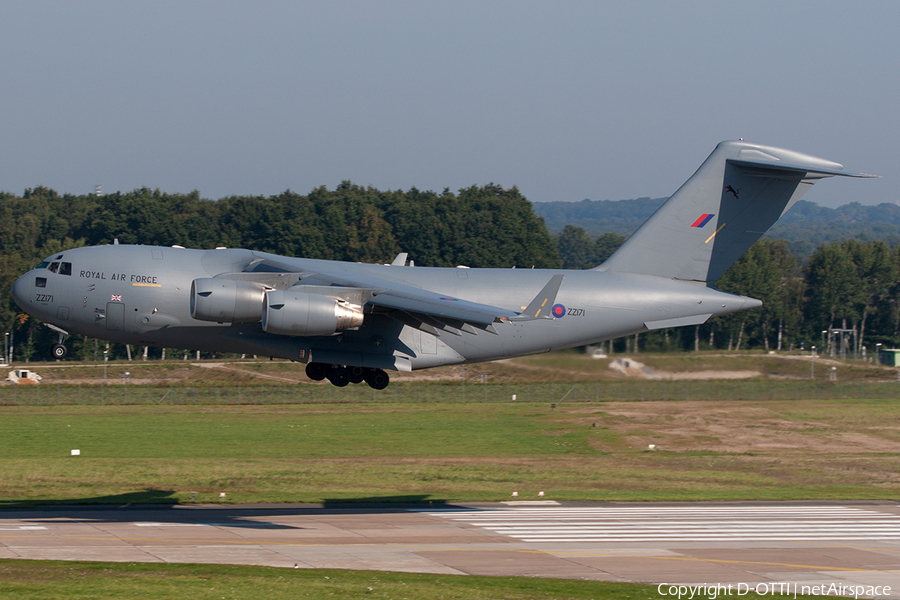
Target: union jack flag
x=115 y=298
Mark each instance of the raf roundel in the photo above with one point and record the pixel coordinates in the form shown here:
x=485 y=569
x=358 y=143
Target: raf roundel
x=558 y=311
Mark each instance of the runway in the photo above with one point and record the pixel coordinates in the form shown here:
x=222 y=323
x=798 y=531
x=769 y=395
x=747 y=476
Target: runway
x=676 y=543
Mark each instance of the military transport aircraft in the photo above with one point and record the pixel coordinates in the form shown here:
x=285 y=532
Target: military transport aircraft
x=352 y=322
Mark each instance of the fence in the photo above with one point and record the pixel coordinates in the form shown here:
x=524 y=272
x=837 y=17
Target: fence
x=455 y=392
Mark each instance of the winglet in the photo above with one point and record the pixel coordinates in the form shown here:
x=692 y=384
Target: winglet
x=541 y=306
x=400 y=261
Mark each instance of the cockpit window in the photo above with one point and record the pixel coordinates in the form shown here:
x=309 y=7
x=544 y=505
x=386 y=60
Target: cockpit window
x=43 y=265
x=65 y=268
x=59 y=257
x=54 y=267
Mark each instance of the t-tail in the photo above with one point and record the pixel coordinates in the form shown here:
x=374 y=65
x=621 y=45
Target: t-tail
x=735 y=196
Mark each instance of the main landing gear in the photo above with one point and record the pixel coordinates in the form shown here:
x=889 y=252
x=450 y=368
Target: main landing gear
x=341 y=375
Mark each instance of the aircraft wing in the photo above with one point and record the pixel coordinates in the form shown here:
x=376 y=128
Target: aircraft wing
x=423 y=309
x=481 y=315
x=440 y=306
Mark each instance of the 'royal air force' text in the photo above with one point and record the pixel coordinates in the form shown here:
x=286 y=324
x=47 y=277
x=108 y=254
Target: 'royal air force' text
x=119 y=277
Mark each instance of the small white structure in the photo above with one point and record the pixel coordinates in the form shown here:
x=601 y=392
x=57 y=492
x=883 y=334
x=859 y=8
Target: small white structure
x=24 y=376
x=632 y=368
x=595 y=351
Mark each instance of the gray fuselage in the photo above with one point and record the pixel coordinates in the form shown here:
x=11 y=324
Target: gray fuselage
x=141 y=295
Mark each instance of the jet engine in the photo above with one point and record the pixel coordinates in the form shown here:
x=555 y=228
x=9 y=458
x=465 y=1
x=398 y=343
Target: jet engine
x=288 y=312
x=226 y=300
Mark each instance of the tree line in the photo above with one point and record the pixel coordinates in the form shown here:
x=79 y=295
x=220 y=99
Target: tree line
x=850 y=284
x=479 y=226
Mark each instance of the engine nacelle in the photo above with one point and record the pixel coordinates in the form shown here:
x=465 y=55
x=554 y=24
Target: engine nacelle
x=226 y=300
x=288 y=312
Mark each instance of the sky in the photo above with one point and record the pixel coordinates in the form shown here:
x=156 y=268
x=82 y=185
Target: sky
x=565 y=100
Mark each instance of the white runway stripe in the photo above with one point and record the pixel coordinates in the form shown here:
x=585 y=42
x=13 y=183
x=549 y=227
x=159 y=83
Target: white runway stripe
x=681 y=523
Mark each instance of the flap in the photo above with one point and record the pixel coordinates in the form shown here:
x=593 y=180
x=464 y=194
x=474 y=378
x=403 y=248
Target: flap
x=438 y=305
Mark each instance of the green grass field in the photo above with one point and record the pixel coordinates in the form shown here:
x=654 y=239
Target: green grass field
x=44 y=580
x=418 y=451
x=568 y=366
x=50 y=580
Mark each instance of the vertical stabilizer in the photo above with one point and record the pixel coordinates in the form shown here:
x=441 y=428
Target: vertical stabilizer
x=735 y=196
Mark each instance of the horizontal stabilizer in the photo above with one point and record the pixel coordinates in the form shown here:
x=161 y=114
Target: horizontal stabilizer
x=677 y=322
x=767 y=165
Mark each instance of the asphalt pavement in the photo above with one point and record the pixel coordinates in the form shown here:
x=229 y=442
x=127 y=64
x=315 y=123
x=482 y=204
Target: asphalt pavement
x=726 y=543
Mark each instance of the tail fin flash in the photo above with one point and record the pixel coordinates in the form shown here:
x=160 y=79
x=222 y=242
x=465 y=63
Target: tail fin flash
x=735 y=196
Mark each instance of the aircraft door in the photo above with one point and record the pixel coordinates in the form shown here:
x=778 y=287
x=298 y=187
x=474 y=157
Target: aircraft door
x=115 y=316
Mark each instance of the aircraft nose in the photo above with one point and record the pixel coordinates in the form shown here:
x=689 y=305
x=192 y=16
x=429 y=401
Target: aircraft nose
x=19 y=290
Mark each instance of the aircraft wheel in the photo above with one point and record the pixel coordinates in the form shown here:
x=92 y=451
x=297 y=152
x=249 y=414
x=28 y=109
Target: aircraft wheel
x=377 y=379
x=357 y=374
x=339 y=376
x=59 y=351
x=316 y=371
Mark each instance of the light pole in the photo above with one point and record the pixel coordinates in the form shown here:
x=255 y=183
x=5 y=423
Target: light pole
x=812 y=363
x=105 y=359
x=6 y=349
x=878 y=353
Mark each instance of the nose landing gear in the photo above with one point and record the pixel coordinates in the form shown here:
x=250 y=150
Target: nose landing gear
x=58 y=350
